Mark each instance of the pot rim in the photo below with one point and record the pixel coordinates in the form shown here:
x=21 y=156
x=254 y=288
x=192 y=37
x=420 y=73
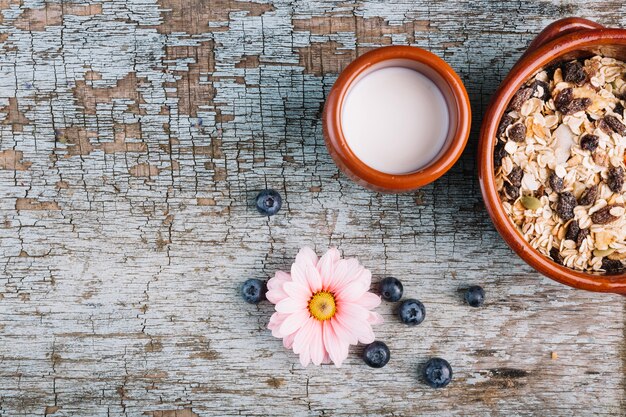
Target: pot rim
x=369 y=177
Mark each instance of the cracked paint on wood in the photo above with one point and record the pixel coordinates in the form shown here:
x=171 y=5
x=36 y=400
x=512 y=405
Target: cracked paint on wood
x=134 y=136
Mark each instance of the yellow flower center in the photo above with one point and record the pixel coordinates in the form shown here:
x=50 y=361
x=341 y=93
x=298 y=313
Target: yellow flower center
x=322 y=305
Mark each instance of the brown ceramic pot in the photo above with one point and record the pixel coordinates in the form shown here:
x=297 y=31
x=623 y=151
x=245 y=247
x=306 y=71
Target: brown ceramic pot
x=458 y=106
x=565 y=39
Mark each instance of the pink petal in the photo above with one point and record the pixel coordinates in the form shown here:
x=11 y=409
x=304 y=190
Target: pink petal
x=326 y=265
x=297 y=291
x=290 y=305
x=367 y=336
x=303 y=336
x=314 y=279
x=293 y=322
x=365 y=276
x=306 y=256
x=326 y=359
x=305 y=357
x=316 y=348
x=339 y=275
x=344 y=335
x=297 y=274
x=362 y=330
x=275 y=322
x=345 y=272
x=359 y=327
x=375 y=318
x=275 y=291
x=276 y=295
x=368 y=301
x=351 y=292
x=332 y=344
x=288 y=340
x=352 y=310
x=354 y=268
x=280 y=277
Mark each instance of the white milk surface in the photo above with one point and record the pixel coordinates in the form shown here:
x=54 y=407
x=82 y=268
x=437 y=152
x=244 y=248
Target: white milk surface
x=395 y=120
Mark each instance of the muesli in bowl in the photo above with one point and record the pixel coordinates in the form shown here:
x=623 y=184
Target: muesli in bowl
x=559 y=163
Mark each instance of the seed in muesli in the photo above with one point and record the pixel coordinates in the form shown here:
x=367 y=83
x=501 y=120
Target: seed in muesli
x=560 y=163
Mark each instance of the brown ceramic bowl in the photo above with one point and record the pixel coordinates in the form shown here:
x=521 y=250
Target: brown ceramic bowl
x=565 y=39
x=436 y=70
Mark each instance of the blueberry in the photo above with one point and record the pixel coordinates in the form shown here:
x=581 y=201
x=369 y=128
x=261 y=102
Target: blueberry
x=376 y=354
x=391 y=289
x=475 y=296
x=412 y=312
x=268 y=202
x=253 y=291
x=437 y=372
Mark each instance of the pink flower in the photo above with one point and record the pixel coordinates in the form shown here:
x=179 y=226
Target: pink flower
x=323 y=306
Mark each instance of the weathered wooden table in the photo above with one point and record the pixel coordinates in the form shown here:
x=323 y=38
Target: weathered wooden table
x=134 y=136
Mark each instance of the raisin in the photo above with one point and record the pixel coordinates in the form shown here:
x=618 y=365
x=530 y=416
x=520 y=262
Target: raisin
x=615 y=179
x=511 y=192
x=576 y=105
x=612 y=265
x=517 y=132
x=573 y=72
x=541 y=90
x=556 y=256
x=604 y=126
x=565 y=205
x=572 y=231
x=589 y=142
x=564 y=97
x=504 y=123
x=589 y=196
x=498 y=153
x=520 y=97
x=551 y=69
x=556 y=183
x=567 y=104
x=604 y=216
x=582 y=234
x=615 y=125
x=619 y=109
x=515 y=176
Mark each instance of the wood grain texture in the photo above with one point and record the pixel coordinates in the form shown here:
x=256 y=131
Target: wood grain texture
x=134 y=136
